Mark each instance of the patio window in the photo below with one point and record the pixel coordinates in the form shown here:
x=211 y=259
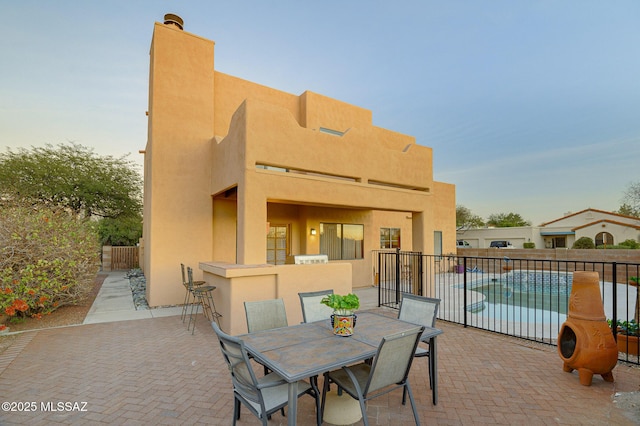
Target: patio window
x=277 y=244
x=342 y=241
x=389 y=238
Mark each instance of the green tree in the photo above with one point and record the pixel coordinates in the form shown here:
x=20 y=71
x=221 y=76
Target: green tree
x=122 y=231
x=631 y=199
x=465 y=219
x=627 y=210
x=584 y=243
x=507 y=220
x=72 y=177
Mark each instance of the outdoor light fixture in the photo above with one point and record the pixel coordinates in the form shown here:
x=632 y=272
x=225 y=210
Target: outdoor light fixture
x=313 y=231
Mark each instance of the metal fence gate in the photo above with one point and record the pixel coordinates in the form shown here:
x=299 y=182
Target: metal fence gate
x=397 y=272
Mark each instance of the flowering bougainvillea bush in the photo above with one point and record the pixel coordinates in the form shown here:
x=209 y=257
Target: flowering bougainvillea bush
x=48 y=259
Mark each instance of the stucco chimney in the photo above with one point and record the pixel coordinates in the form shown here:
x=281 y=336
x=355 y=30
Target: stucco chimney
x=171 y=19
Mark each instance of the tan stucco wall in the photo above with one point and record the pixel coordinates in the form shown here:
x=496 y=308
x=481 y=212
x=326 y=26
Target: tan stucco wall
x=176 y=220
x=205 y=200
x=236 y=285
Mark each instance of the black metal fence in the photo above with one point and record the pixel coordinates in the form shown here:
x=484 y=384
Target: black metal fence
x=525 y=298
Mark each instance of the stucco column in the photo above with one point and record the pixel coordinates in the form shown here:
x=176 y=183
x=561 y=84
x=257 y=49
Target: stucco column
x=252 y=226
x=421 y=233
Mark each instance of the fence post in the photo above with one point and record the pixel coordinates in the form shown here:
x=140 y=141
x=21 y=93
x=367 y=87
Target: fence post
x=464 y=287
x=379 y=281
x=106 y=258
x=421 y=285
x=398 y=283
x=614 y=295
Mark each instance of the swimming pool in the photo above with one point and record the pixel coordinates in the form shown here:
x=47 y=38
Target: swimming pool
x=522 y=296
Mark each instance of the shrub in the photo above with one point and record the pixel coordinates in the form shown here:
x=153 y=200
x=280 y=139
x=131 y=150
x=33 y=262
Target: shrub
x=48 y=259
x=584 y=243
x=630 y=244
x=612 y=247
x=531 y=245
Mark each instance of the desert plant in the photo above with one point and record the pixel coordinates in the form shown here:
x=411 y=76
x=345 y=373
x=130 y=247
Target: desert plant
x=583 y=243
x=48 y=259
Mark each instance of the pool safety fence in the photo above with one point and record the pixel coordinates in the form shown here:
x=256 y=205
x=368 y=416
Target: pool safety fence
x=525 y=298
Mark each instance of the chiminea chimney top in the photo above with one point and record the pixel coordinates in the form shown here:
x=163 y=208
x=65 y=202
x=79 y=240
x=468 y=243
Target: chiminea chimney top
x=171 y=19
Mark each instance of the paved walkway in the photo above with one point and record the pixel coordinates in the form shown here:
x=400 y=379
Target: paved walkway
x=115 y=303
x=120 y=369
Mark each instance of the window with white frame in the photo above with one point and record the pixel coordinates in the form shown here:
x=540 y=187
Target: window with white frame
x=389 y=238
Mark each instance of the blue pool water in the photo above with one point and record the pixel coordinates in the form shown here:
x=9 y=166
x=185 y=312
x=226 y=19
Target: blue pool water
x=522 y=296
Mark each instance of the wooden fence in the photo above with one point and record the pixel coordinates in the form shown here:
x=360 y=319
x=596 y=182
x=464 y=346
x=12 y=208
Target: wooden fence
x=120 y=258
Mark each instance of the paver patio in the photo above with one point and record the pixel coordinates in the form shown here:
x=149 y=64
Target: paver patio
x=152 y=371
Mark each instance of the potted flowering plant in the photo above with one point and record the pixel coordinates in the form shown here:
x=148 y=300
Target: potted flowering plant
x=343 y=318
x=628 y=333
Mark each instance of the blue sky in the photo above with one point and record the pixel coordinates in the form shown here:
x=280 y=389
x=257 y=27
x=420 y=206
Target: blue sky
x=531 y=107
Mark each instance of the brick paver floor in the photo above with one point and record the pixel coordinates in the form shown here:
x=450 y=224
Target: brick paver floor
x=153 y=371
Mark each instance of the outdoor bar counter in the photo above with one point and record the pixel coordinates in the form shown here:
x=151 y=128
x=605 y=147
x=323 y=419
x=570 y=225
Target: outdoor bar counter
x=236 y=284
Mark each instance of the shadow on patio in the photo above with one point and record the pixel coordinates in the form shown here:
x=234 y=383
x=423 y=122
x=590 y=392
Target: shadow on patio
x=152 y=371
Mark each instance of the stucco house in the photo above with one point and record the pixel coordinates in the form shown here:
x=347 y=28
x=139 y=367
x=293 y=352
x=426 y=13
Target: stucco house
x=241 y=178
x=601 y=226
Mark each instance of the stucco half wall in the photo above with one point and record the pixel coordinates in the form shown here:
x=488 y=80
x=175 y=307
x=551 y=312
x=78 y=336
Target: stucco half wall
x=236 y=284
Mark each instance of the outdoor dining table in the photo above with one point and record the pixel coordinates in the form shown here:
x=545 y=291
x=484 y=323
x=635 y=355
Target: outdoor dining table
x=301 y=351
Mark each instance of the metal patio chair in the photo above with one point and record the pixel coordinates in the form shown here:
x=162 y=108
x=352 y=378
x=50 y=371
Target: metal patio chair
x=312 y=309
x=263 y=396
x=420 y=310
x=265 y=314
x=388 y=371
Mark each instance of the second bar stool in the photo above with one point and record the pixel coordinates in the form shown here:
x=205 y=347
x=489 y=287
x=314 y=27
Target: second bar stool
x=189 y=297
x=204 y=297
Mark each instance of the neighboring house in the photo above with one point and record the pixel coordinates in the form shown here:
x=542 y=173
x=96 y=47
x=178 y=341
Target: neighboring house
x=240 y=178
x=601 y=226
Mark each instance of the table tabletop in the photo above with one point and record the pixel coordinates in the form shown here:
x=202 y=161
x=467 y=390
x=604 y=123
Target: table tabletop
x=304 y=350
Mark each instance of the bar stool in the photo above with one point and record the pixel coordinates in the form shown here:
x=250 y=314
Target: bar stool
x=204 y=297
x=188 y=295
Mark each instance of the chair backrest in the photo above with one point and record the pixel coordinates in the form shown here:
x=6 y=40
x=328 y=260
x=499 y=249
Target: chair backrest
x=190 y=277
x=392 y=362
x=265 y=315
x=245 y=382
x=184 y=278
x=419 y=309
x=312 y=309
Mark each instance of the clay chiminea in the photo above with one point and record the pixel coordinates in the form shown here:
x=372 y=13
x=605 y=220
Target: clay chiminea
x=585 y=341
